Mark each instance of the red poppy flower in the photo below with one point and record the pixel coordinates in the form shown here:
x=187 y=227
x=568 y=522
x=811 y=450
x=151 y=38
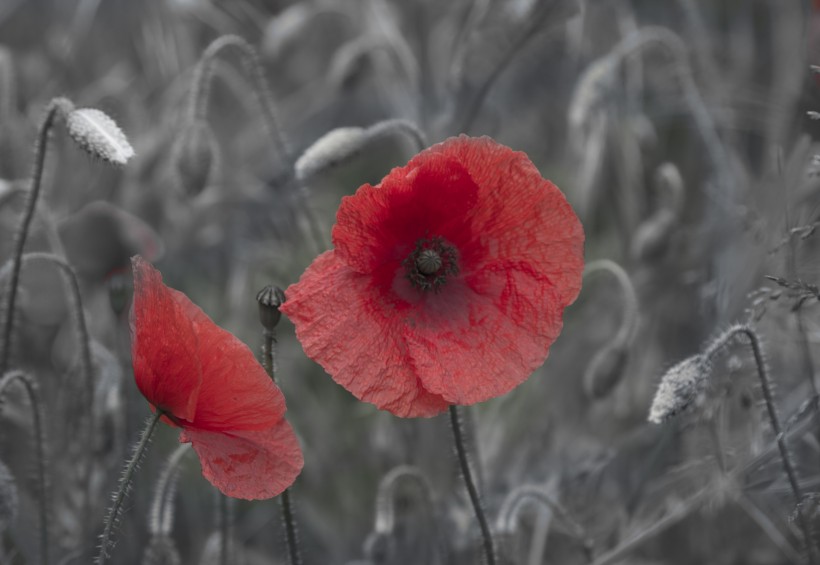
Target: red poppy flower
x=447 y=283
x=209 y=384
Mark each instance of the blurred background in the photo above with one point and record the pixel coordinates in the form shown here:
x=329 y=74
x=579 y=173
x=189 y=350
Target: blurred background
x=681 y=132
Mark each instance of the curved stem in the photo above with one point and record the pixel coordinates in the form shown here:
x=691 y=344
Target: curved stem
x=519 y=496
x=704 y=120
x=161 y=514
x=406 y=127
x=543 y=12
x=461 y=452
x=72 y=289
x=125 y=485
x=30 y=387
x=288 y=517
x=630 y=308
x=198 y=109
x=774 y=417
x=250 y=62
x=59 y=107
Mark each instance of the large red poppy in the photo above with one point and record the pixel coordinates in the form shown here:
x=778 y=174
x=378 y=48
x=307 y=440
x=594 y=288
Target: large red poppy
x=209 y=384
x=447 y=283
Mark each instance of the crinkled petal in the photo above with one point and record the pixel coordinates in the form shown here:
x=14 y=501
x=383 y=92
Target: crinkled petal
x=379 y=226
x=346 y=327
x=485 y=334
x=164 y=345
x=520 y=216
x=236 y=392
x=248 y=464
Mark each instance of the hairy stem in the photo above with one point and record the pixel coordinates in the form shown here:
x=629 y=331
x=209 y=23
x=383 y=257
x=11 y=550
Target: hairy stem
x=125 y=486
x=268 y=352
x=198 y=109
x=59 y=107
x=250 y=62
x=30 y=387
x=461 y=452
x=288 y=517
x=774 y=418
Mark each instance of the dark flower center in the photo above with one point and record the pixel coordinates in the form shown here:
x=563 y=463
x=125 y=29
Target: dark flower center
x=430 y=263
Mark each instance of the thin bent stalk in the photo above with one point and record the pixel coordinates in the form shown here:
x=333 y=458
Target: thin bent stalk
x=30 y=387
x=59 y=107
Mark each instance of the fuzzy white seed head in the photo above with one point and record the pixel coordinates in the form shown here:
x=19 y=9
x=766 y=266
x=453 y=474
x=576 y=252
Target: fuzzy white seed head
x=680 y=388
x=331 y=149
x=99 y=135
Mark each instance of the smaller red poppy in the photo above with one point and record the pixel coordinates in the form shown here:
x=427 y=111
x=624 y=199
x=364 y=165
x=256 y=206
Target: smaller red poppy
x=209 y=384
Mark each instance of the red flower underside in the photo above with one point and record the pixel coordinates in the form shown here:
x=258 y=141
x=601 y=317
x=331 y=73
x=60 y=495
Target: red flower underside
x=211 y=385
x=248 y=464
x=520 y=255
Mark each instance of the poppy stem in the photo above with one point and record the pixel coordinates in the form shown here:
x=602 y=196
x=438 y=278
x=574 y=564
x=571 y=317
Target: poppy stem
x=125 y=486
x=224 y=528
x=774 y=418
x=291 y=537
x=268 y=352
x=58 y=107
x=294 y=555
x=461 y=452
x=30 y=385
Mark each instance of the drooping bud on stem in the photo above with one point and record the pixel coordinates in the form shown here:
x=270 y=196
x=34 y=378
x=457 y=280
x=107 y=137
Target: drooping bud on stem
x=195 y=157
x=606 y=368
x=342 y=144
x=680 y=388
x=99 y=135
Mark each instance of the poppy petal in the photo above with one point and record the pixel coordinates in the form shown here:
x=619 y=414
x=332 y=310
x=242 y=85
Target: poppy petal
x=236 y=392
x=381 y=224
x=249 y=464
x=164 y=345
x=526 y=217
x=485 y=335
x=357 y=338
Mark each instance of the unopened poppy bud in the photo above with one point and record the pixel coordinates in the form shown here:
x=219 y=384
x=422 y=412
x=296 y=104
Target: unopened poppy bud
x=119 y=290
x=270 y=299
x=99 y=135
x=653 y=236
x=680 y=387
x=605 y=370
x=195 y=157
x=8 y=498
x=329 y=150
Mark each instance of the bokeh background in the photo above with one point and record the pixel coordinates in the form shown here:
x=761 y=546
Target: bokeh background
x=681 y=132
